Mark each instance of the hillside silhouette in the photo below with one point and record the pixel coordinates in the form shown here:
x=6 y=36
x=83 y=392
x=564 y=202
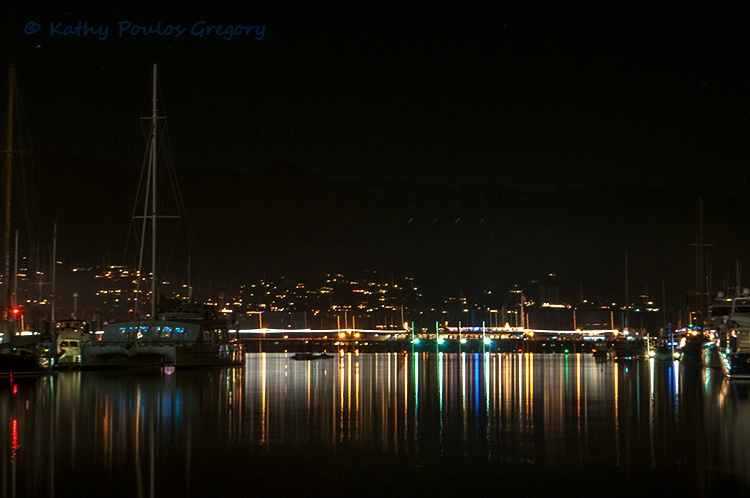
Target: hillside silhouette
x=281 y=220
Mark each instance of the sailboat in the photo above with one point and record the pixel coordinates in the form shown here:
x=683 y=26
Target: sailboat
x=185 y=336
x=693 y=338
x=17 y=357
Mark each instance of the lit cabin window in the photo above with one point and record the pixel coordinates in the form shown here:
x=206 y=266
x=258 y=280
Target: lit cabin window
x=139 y=331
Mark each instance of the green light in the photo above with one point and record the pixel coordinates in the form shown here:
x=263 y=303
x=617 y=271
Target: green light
x=441 y=340
x=487 y=340
x=463 y=340
x=415 y=340
x=567 y=351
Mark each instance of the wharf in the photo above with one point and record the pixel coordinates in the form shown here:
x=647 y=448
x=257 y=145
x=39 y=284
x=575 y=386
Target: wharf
x=270 y=345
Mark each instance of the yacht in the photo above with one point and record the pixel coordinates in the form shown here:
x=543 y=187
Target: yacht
x=730 y=349
x=189 y=336
x=70 y=333
x=183 y=334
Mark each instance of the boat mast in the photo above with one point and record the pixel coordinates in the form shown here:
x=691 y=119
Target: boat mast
x=700 y=270
x=14 y=291
x=190 y=285
x=152 y=167
x=52 y=317
x=626 y=321
x=702 y=291
x=149 y=205
x=8 y=180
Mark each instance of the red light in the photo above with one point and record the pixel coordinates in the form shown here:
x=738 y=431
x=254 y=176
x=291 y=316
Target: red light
x=15 y=311
x=14 y=439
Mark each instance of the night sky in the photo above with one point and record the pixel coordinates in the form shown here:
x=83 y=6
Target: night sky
x=539 y=95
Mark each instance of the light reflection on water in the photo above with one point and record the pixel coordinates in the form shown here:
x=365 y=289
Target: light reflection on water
x=526 y=422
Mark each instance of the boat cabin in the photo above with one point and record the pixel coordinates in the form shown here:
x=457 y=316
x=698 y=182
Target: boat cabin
x=72 y=324
x=164 y=331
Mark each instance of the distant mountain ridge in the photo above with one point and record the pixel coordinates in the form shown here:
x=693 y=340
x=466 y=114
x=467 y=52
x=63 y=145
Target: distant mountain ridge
x=281 y=220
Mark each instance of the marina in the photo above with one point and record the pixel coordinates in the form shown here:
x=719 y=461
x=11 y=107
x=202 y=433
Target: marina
x=394 y=423
x=417 y=251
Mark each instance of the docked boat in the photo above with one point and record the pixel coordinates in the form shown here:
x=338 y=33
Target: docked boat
x=310 y=356
x=730 y=350
x=691 y=344
x=190 y=336
x=70 y=333
x=628 y=348
x=602 y=350
x=18 y=360
x=664 y=352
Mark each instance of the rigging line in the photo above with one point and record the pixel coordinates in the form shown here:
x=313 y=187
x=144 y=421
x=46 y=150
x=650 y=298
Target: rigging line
x=183 y=215
x=168 y=171
x=145 y=173
x=176 y=192
x=137 y=202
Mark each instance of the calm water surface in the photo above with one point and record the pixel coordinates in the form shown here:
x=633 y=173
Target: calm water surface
x=374 y=424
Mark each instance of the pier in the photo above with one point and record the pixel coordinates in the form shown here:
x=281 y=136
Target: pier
x=449 y=340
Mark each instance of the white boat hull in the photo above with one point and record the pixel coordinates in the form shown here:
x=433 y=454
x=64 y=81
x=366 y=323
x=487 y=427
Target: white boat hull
x=730 y=352
x=99 y=355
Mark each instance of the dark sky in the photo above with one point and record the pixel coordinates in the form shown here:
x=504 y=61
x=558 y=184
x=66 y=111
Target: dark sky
x=539 y=95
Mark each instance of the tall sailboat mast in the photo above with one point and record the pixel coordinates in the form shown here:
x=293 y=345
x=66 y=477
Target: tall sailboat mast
x=7 y=327
x=8 y=182
x=154 y=118
x=702 y=292
x=149 y=205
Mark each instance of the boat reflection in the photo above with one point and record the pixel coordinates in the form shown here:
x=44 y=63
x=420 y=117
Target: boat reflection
x=404 y=418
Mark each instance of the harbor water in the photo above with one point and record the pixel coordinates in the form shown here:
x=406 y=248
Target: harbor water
x=380 y=424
